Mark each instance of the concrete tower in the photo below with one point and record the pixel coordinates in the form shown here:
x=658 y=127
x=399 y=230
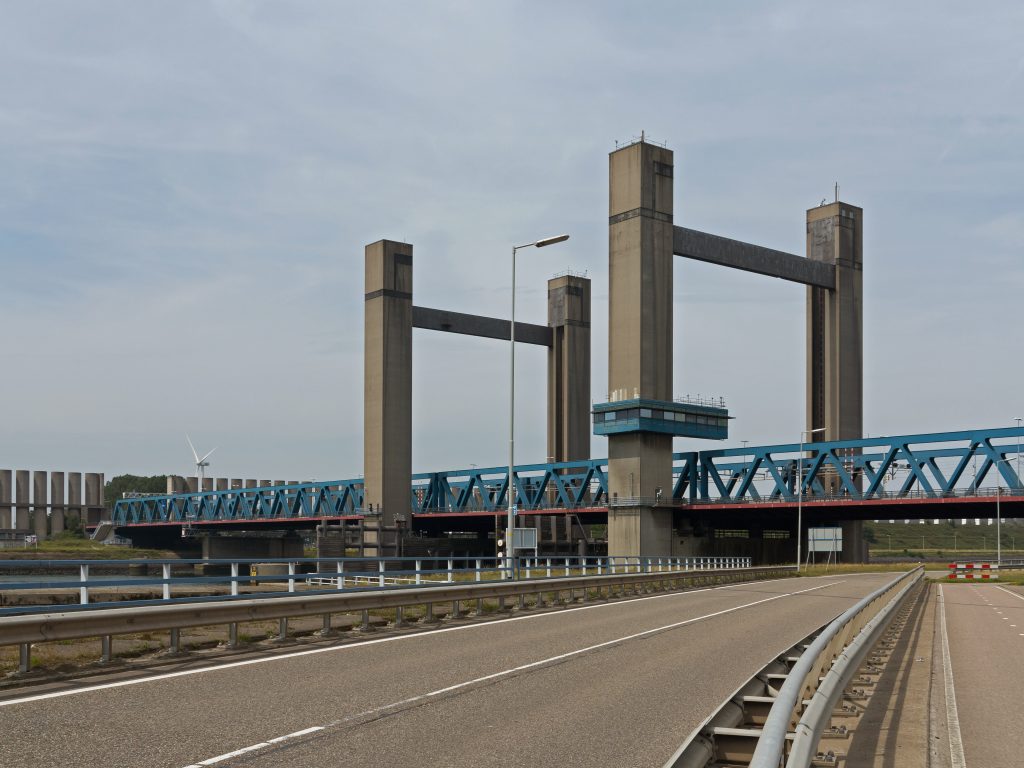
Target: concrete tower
x=387 y=428
x=835 y=338
x=640 y=257
x=569 y=368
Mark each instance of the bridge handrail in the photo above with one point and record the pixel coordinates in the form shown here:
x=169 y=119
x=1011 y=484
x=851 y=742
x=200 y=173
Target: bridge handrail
x=338 y=572
x=822 y=672
x=24 y=630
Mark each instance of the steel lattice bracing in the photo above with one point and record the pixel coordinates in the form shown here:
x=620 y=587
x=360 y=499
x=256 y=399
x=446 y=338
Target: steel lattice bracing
x=936 y=465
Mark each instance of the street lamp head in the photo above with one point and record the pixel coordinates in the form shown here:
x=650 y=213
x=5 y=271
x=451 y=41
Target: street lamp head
x=551 y=240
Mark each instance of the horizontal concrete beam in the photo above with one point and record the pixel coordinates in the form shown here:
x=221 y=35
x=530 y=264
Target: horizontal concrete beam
x=474 y=325
x=691 y=244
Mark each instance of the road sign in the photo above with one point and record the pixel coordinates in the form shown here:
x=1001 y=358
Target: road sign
x=524 y=538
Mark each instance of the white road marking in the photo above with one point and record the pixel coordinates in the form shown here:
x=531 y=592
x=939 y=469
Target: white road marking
x=505 y=673
x=956 y=744
x=333 y=648
x=254 y=747
x=1010 y=592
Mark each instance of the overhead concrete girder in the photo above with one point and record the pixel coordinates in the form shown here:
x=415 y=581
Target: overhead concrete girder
x=475 y=325
x=701 y=246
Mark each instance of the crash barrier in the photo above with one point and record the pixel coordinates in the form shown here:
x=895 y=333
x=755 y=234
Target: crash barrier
x=780 y=713
x=24 y=630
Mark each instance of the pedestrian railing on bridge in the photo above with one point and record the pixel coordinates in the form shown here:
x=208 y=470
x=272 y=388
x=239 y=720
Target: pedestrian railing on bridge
x=603 y=577
x=926 y=466
x=36 y=586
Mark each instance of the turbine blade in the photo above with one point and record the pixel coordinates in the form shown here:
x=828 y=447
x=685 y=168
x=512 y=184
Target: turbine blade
x=194 y=453
x=207 y=456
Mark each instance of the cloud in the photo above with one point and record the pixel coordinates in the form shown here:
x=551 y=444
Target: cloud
x=188 y=189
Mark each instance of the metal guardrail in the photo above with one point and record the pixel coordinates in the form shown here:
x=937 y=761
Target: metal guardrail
x=24 y=630
x=814 y=673
x=306 y=574
x=822 y=672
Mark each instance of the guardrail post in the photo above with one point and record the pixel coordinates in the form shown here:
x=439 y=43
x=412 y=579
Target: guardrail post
x=583 y=564
x=106 y=649
x=341 y=574
x=24 y=657
x=165 y=571
x=175 y=643
x=83 y=589
x=233 y=635
x=479 y=567
x=399 y=617
x=291 y=579
x=451 y=570
x=234 y=580
x=567 y=566
x=428 y=617
x=419 y=572
x=456 y=610
x=380 y=572
x=548 y=568
x=282 y=629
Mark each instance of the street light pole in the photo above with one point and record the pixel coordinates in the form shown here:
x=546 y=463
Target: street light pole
x=800 y=494
x=512 y=402
x=1018 y=420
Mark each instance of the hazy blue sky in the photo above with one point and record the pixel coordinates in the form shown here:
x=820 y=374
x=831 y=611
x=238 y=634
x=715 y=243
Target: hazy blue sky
x=187 y=188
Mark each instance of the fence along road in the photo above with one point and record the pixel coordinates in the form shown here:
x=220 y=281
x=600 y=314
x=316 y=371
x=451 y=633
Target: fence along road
x=985 y=628
x=619 y=683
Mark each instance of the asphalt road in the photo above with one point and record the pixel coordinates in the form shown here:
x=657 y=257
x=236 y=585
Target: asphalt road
x=985 y=627
x=611 y=684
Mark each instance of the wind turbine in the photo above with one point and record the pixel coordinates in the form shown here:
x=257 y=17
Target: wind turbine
x=201 y=463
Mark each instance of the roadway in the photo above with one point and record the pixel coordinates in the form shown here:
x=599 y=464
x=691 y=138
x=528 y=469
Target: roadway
x=618 y=683
x=985 y=628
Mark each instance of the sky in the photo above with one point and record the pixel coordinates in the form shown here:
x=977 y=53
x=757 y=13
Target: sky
x=187 y=190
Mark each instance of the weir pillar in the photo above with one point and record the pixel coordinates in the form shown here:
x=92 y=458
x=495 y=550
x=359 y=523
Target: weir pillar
x=835 y=341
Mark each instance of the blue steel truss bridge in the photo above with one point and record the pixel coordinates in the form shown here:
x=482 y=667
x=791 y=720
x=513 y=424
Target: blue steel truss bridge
x=937 y=475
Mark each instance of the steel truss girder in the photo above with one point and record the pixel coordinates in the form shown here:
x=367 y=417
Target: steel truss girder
x=851 y=469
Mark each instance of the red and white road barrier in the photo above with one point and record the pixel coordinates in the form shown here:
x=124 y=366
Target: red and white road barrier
x=974 y=571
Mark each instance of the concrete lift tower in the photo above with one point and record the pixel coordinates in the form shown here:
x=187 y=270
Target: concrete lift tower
x=641 y=417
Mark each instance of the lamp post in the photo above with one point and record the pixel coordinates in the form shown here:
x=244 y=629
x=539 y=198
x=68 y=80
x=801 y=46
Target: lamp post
x=1018 y=420
x=800 y=493
x=512 y=399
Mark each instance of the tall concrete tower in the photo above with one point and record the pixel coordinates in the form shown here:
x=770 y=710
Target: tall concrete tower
x=835 y=338
x=387 y=429
x=639 y=342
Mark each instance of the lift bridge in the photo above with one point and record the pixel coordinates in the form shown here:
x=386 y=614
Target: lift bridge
x=907 y=476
